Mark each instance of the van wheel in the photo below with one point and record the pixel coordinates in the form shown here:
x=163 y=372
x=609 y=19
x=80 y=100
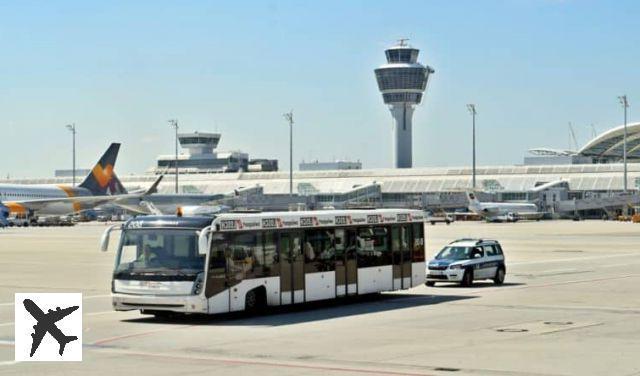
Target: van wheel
x=255 y=301
x=499 y=278
x=467 y=278
x=430 y=283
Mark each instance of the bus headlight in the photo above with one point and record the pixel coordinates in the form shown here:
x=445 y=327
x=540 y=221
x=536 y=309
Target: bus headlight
x=197 y=284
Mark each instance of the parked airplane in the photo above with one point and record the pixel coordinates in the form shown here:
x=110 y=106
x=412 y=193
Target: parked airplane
x=4 y=214
x=101 y=186
x=187 y=204
x=47 y=324
x=503 y=212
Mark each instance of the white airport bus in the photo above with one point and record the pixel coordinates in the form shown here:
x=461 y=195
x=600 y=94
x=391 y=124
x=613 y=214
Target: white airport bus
x=247 y=261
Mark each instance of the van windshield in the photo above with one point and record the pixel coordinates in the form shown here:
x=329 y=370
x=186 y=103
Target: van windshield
x=162 y=251
x=454 y=253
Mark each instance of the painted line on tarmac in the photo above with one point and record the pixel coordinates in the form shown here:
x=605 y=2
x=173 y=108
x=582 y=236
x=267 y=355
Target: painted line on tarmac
x=249 y=362
x=571 y=259
x=551 y=284
x=139 y=334
x=48 y=263
x=86 y=314
x=84 y=297
x=8 y=363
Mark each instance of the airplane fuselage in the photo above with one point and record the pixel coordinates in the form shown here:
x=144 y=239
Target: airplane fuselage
x=12 y=194
x=499 y=211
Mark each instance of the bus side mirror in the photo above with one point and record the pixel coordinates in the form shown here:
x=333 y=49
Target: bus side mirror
x=104 y=240
x=203 y=240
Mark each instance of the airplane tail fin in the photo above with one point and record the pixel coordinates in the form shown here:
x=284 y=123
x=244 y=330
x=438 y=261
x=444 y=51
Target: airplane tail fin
x=471 y=197
x=64 y=342
x=154 y=187
x=102 y=179
x=473 y=200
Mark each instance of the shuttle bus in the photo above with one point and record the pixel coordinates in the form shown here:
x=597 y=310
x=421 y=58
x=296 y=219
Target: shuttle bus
x=248 y=261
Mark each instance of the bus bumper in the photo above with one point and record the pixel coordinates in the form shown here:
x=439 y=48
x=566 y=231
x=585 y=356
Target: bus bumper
x=184 y=304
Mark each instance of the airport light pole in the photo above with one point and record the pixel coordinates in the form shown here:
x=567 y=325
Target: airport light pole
x=173 y=123
x=472 y=109
x=289 y=117
x=72 y=128
x=625 y=105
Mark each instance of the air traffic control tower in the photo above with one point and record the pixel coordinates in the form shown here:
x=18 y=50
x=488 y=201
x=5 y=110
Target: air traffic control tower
x=402 y=82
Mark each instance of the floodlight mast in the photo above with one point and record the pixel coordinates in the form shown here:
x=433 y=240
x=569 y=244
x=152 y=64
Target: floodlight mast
x=289 y=118
x=472 y=110
x=173 y=123
x=72 y=128
x=625 y=104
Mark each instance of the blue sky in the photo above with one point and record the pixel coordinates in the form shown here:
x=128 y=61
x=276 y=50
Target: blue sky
x=121 y=69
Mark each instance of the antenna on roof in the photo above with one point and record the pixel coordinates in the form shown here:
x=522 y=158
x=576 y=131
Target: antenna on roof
x=402 y=41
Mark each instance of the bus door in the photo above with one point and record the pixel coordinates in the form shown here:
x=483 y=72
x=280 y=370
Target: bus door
x=406 y=243
x=401 y=254
x=217 y=283
x=291 y=268
x=396 y=256
x=346 y=263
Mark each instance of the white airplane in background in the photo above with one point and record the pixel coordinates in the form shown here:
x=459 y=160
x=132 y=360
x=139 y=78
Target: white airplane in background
x=4 y=214
x=100 y=187
x=503 y=212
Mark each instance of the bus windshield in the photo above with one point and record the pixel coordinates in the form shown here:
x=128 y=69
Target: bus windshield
x=162 y=251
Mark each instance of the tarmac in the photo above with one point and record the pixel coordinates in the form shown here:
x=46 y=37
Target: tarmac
x=570 y=306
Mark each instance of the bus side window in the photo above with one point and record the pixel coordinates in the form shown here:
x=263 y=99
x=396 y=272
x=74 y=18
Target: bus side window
x=364 y=247
x=395 y=238
x=382 y=246
x=340 y=245
x=271 y=265
x=418 y=243
x=318 y=250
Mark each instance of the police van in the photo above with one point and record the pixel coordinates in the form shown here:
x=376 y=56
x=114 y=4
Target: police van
x=467 y=260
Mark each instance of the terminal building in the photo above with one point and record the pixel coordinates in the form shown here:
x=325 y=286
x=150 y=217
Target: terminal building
x=335 y=165
x=559 y=187
x=604 y=148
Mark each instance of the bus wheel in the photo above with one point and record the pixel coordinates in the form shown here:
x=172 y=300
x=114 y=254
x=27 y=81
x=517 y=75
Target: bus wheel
x=255 y=300
x=467 y=278
x=430 y=283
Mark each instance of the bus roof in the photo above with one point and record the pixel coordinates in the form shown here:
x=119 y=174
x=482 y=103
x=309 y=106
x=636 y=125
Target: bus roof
x=167 y=221
x=318 y=218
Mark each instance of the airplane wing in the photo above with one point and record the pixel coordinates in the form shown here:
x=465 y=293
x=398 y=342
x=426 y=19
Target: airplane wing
x=59 y=314
x=36 y=337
